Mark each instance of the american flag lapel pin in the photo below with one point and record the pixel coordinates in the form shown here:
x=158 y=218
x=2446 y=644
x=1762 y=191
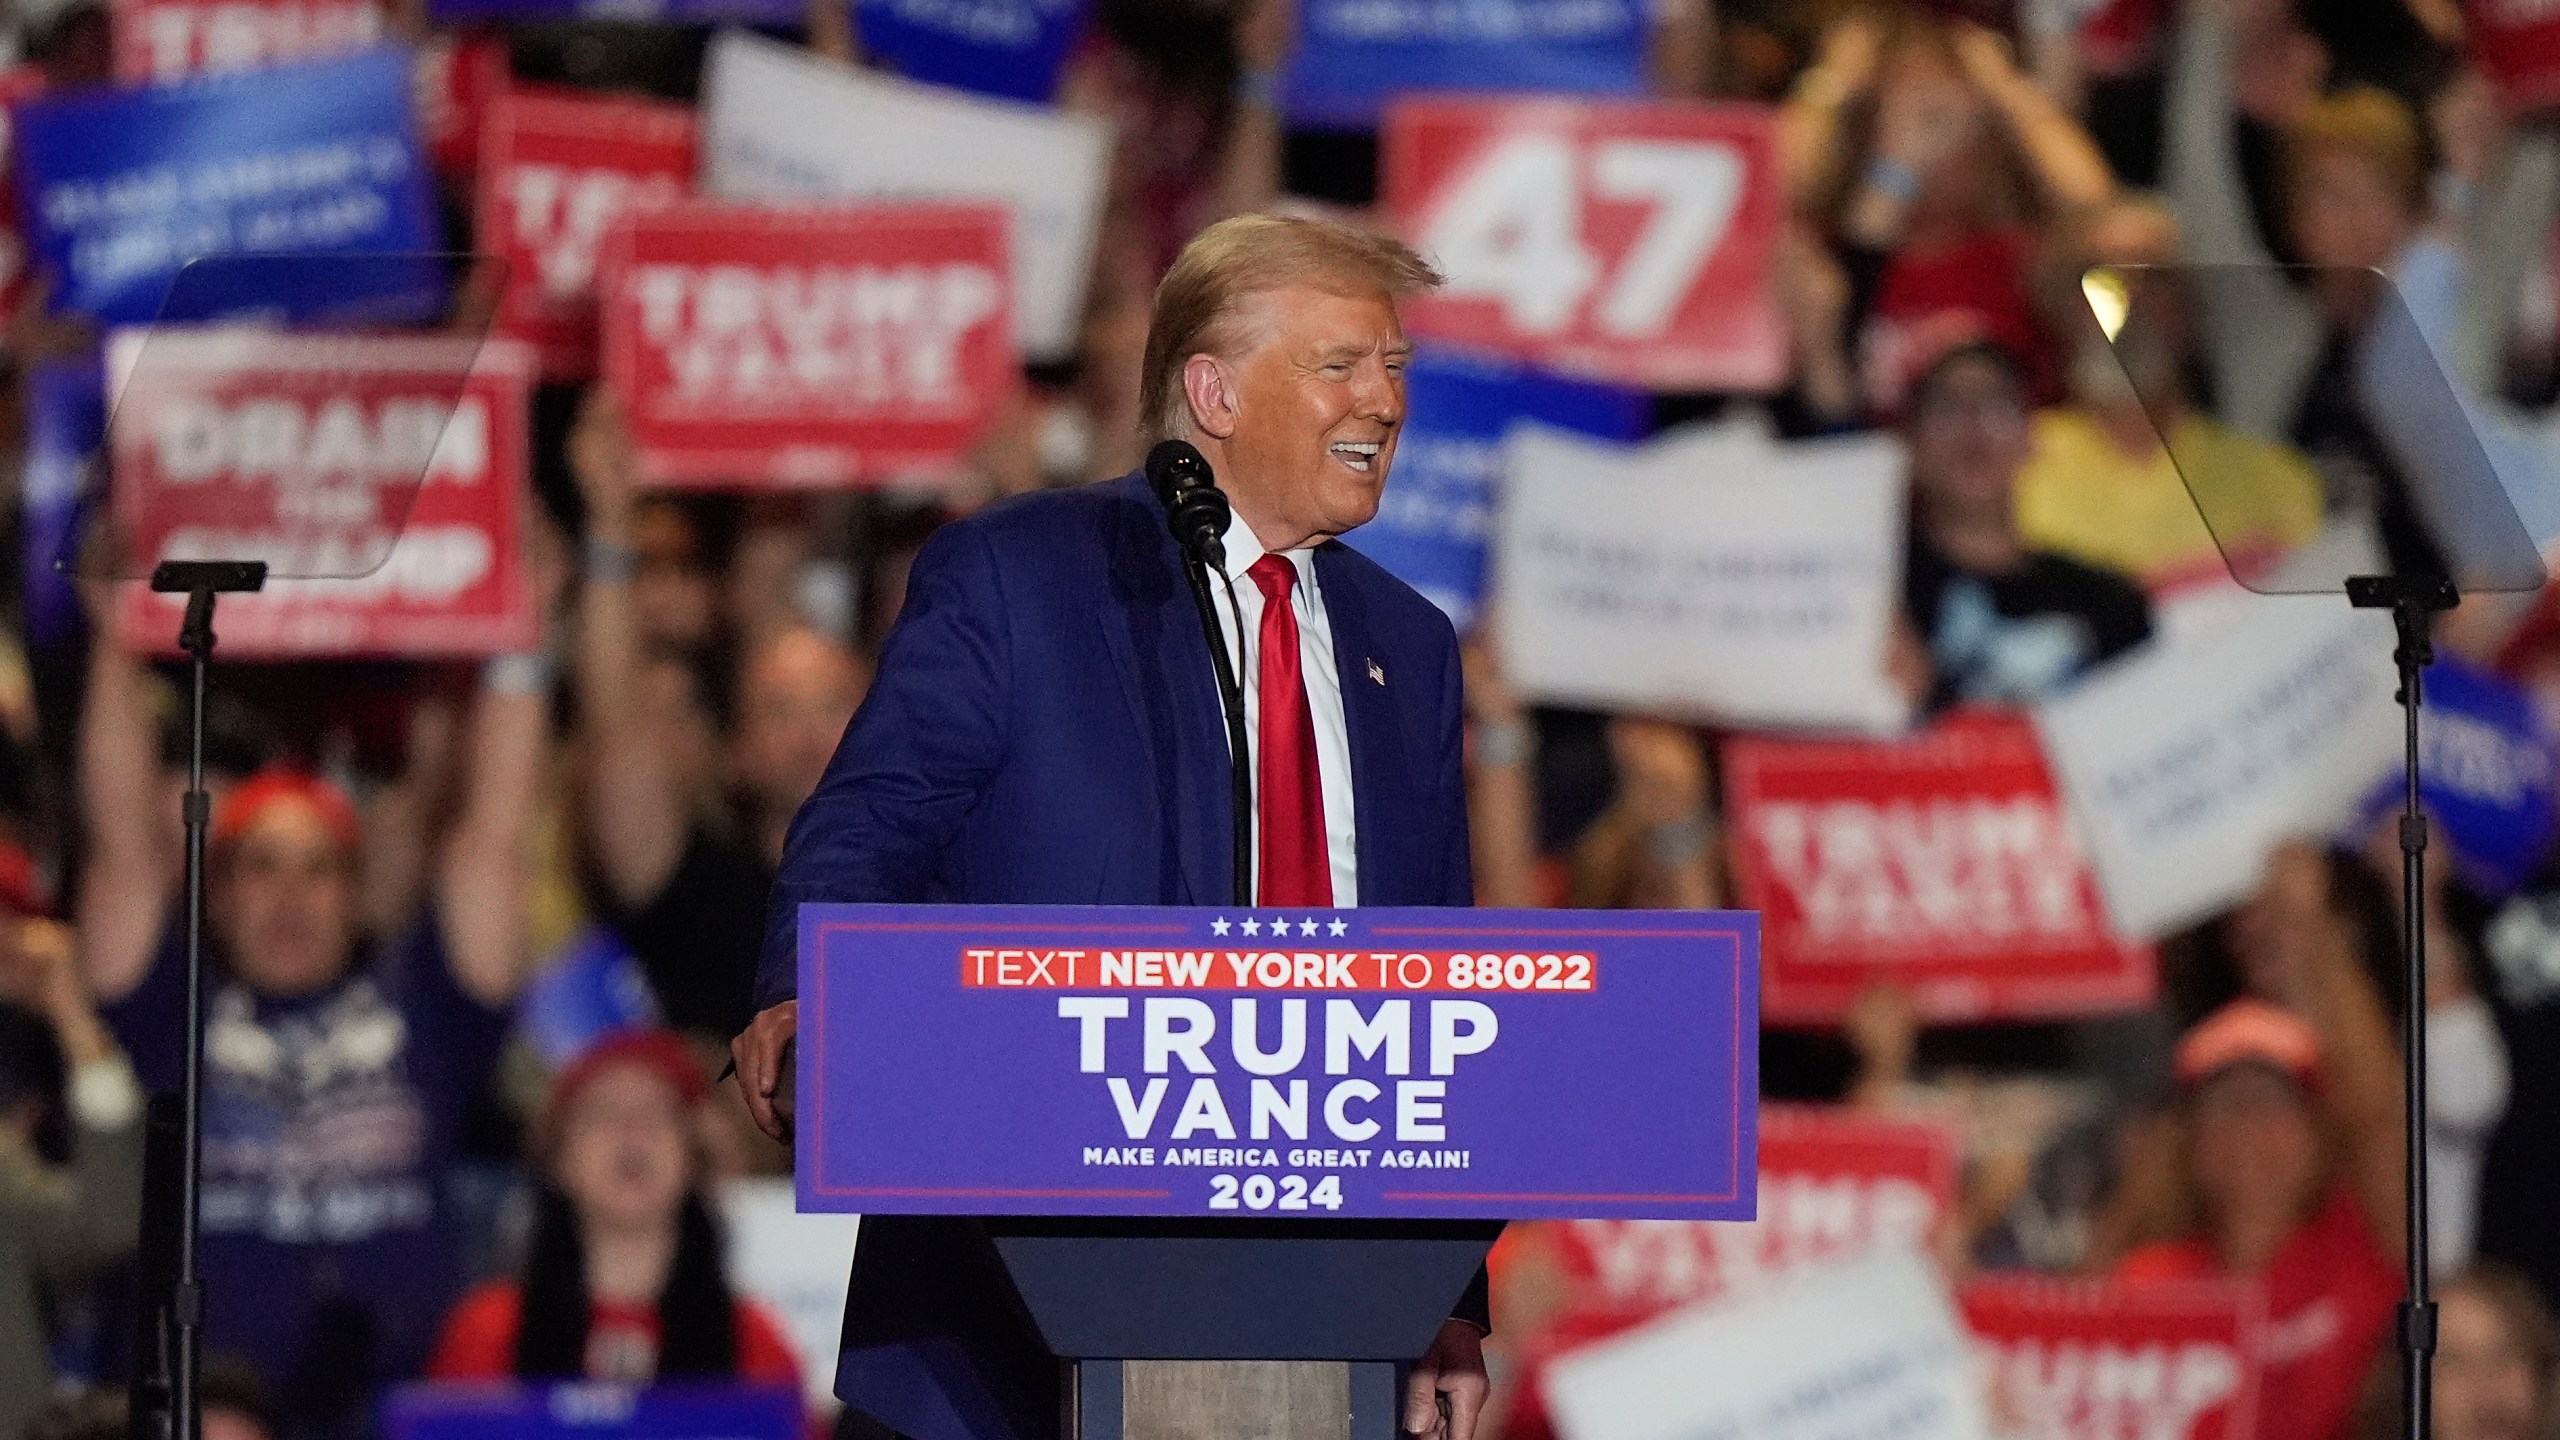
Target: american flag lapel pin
x=1377 y=673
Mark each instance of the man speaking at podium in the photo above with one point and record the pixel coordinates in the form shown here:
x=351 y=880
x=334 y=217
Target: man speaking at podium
x=1046 y=729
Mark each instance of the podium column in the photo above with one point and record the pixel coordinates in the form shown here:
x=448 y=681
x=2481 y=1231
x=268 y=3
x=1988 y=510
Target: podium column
x=1232 y=1400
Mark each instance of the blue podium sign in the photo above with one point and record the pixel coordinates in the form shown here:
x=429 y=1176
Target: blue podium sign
x=1310 y=1064
x=592 y=1411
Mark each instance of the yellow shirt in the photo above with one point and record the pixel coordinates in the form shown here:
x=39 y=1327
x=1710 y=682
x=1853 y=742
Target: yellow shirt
x=2082 y=496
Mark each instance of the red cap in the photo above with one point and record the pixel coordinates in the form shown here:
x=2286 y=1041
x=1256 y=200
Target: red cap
x=2248 y=1031
x=657 y=1051
x=253 y=797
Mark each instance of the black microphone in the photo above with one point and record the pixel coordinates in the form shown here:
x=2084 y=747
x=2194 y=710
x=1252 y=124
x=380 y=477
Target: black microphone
x=1194 y=507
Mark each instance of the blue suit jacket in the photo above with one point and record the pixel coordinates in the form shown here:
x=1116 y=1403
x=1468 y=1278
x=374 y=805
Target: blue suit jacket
x=1045 y=729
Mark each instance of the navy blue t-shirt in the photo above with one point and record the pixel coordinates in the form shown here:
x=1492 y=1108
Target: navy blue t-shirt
x=329 y=1123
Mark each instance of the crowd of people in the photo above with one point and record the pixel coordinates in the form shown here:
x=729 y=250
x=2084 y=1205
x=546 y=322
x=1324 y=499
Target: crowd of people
x=398 y=1183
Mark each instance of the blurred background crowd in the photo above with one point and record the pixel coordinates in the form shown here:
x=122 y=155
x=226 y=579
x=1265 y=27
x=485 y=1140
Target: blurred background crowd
x=413 y=1170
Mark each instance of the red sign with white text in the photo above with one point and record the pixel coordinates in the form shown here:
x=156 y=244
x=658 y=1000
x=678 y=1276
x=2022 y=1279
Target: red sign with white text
x=556 y=174
x=1628 y=241
x=1834 y=1184
x=758 y=348
x=2102 y=1360
x=2517 y=45
x=1944 y=863
x=157 y=41
x=308 y=453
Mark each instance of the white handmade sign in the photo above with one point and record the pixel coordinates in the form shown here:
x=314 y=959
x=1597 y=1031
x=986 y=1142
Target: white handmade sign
x=781 y=124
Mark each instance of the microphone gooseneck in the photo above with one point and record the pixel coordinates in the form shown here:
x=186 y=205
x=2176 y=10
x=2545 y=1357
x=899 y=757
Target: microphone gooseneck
x=1196 y=510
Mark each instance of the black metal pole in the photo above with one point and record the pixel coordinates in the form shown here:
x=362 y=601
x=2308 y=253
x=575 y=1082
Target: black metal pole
x=2417 y=1309
x=2413 y=601
x=186 y=1311
x=1239 y=755
x=200 y=582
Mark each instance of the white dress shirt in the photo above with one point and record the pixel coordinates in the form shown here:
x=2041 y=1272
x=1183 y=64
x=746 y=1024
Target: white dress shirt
x=1324 y=695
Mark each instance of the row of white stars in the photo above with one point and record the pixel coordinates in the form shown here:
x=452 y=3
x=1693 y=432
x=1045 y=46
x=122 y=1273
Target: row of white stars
x=1280 y=926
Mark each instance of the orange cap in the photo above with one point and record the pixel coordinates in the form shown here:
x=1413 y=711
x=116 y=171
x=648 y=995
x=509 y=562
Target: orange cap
x=2248 y=1031
x=276 y=785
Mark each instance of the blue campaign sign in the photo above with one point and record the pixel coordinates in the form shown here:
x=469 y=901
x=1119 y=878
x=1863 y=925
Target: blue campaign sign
x=592 y=1411
x=1353 y=55
x=2486 y=774
x=121 y=188
x=66 y=423
x=1366 y=1063
x=1011 y=48
x=1436 y=517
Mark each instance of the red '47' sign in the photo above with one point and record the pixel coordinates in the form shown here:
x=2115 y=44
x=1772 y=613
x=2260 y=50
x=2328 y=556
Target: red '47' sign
x=306 y=452
x=1944 y=863
x=1629 y=241
x=556 y=174
x=2517 y=43
x=2101 y=1360
x=757 y=348
x=163 y=40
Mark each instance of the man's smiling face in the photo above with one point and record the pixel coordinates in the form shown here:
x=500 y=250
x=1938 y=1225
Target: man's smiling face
x=1319 y=399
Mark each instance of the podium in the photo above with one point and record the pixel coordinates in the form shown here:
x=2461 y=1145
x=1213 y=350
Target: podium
x=1237 y=1167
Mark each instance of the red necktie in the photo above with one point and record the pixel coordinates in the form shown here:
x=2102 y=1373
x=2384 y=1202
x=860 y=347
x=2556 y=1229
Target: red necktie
x=1296 y=869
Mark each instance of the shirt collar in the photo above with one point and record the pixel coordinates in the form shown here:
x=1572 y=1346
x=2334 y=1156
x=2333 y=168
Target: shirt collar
x=1244 y=547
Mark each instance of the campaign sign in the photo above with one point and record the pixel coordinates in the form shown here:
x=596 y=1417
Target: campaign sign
x=2100 y=1360
x=157 y=41
x=2485 y=774
x=1435 y=518
x=592 y=1410
x=1365 y=1063
x=1945 y=864
x=1630 y=241
x=121 y=188
x=1833 y=1183
x=1869 y=1348
x=2517 y=44
x=755 y=347
x=66 y=423
x=1356 y=55
x=1011 y=48
x=304 y=451
x=556 y=173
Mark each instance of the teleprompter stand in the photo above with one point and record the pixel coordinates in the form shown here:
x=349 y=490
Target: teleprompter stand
x=2438 y=520
x=2414 y=601
x=167 y=1367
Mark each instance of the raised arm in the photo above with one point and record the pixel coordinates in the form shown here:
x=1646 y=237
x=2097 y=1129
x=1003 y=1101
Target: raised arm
x=917 y=756
x=127 y=875
x=2066 y=162
x=482 y=870
x=2314 y=970
x=632 y=803
x=1502 y=798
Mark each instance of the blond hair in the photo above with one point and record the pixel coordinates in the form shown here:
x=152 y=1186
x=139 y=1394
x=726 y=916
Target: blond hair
x=2376 y=127
x=1198 y=303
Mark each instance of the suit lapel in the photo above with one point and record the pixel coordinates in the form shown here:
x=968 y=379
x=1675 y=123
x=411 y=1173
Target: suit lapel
x=1163 y=665
x=1368 y=713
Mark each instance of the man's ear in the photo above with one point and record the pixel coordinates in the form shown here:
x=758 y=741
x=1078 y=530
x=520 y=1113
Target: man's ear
x=1209 y=388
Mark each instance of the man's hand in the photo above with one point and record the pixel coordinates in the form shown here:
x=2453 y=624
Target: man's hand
x=1447 y=1388
x=758 y=1051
